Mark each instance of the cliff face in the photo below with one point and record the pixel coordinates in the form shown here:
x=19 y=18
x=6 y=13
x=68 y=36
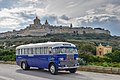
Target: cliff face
x=38 y=29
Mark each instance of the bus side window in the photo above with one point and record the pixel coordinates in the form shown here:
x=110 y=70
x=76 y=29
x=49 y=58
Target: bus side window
x=49 y=50
x=18 y=51
x=45 y=50
x=22 y=51
x=37 y=50
x=40 y=50
x=31 y=50
x=34 y=51
x=27 y=50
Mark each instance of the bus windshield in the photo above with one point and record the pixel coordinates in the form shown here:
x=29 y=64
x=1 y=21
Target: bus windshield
x=64 y=50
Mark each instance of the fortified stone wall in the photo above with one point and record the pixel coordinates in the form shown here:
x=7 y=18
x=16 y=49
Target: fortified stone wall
x=38 y=29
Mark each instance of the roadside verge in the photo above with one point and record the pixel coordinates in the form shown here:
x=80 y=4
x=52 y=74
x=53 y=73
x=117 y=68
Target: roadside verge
x=110 y=70
x=8 y=62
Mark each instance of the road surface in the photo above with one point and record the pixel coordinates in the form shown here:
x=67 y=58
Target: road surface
x=14 y=72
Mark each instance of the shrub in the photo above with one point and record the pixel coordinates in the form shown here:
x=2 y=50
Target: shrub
x=92 y=58
x=105 y=64
x=7 y=55
x=115 y=56
x=81 y=61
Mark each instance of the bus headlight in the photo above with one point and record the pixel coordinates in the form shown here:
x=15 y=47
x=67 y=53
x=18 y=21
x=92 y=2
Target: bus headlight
x=77 y=59
x=61 y=59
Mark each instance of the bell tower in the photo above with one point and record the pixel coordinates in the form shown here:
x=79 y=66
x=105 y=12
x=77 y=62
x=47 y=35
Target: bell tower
x=46 y=22
x=71 y=25
x=37 y=21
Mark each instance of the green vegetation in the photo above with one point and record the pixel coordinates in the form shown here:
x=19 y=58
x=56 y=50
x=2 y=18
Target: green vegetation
x=105 y=64
x=92 y=39
x=115 y=56
x=108 y=60
x=7 y=55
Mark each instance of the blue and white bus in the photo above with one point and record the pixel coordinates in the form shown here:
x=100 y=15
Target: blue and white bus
x=53 y=56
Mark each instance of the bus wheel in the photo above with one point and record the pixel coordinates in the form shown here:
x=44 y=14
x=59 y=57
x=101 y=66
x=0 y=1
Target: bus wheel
x=53 y=69
x=24 y=66
x=73 y=70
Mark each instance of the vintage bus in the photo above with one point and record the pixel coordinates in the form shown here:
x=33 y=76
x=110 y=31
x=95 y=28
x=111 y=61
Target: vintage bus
x=53 y=56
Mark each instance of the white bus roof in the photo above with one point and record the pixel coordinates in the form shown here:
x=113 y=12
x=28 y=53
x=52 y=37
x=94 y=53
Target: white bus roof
x=47 y=44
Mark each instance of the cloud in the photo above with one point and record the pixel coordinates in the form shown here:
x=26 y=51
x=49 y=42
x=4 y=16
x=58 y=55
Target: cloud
x=52 y=19
x=64 y=17
x=32 y=3
x=72 y=5
x=107 y=21
x=19 y=14
x=7 y=3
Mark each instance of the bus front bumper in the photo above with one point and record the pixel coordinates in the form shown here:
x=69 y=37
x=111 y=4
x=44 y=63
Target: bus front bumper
x=68 y=67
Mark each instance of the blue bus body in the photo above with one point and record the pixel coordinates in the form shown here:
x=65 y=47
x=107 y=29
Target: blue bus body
x=68 y=61
x=42 y=61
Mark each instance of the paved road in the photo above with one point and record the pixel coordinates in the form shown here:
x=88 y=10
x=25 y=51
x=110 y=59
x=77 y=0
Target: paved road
x=14 y=72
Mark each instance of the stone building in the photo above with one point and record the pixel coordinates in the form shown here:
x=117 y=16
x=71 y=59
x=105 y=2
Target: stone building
x=38 y=29
x=101 y=50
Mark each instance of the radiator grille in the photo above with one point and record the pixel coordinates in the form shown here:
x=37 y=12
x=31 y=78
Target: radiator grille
x=69 y=61
x=70 y=57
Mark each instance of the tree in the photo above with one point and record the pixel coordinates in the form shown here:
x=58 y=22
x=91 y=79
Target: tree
x=115 y=56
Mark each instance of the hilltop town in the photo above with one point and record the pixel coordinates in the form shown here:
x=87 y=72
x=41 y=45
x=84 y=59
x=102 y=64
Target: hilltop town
x=38 y=29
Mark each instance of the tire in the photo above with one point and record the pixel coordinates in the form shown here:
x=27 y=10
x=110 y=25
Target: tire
x=73 y=70
x=53 y=69
x=25 y=66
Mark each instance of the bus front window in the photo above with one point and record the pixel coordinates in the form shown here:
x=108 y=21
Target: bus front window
x=65 y=50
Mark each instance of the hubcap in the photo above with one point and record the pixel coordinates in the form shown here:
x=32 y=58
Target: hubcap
x=52 y=69
x=23 y=65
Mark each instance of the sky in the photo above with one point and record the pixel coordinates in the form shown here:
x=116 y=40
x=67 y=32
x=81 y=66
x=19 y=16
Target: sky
x=18 y=14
